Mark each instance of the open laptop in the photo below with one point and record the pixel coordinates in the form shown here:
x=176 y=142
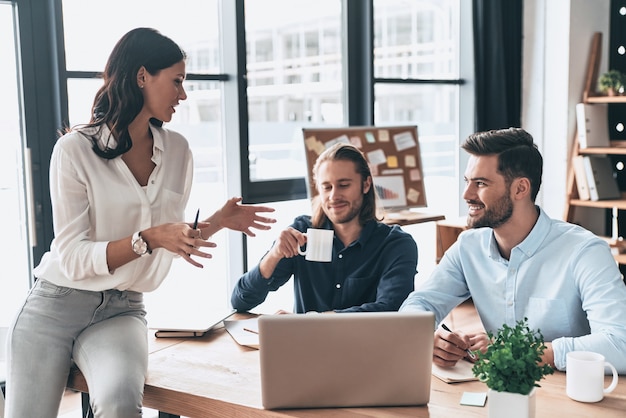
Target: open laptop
x=346 y=360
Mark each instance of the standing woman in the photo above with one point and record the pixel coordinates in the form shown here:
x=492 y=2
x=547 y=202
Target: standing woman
x=119 y=186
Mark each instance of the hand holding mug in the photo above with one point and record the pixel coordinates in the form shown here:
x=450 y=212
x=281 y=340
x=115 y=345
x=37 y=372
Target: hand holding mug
x=319 y=245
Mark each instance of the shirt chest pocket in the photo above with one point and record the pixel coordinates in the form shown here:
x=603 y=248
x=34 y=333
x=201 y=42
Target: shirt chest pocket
x=172 y=206
x=549 y=316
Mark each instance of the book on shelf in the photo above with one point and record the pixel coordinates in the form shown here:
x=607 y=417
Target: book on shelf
x=592 y=124
x=581 y=178
x=600 y=178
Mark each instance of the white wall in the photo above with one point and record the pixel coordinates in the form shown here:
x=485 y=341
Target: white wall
x=557 y=37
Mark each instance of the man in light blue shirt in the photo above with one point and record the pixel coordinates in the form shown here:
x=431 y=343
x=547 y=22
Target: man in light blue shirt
x=516 y=262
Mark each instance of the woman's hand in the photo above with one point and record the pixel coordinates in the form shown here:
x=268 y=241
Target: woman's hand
x=238 y=217
x=181 y=239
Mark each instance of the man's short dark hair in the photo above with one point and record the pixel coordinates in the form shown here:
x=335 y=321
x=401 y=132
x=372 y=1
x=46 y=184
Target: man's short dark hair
x=518 y=156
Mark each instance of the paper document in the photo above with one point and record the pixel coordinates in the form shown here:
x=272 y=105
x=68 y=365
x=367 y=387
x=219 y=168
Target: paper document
x=461 y=372
x=244 y=331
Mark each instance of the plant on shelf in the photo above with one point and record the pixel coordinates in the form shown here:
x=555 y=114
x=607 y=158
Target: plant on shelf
x=512 y=364
x=612 y=82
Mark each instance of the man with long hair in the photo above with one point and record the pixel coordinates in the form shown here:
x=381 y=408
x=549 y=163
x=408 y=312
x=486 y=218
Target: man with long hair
x=373 y=265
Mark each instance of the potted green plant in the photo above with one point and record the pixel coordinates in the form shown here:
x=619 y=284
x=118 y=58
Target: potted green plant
x=612 y=82
x=511 y=368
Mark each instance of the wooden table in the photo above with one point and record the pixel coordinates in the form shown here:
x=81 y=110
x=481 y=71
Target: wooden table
x=214 y=376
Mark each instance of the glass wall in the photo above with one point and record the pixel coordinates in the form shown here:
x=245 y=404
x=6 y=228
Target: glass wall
x=294 y=76
x=14 y=240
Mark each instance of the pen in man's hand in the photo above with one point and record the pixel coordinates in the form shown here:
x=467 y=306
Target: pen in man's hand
x=195 y=223
x=468 y=351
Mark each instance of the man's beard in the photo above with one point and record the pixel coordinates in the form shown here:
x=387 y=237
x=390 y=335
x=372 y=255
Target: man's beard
x=499 y=214
x=355 y=211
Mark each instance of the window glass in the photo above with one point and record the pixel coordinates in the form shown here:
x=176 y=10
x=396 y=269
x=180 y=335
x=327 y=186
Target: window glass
x=89 y=39
x=14 y=240
x=434 y=109
x=193 y=24
x=418 y=39
x=294 y=80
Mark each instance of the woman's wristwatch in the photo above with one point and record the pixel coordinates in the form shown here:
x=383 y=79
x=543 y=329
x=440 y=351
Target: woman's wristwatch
x=140 y=247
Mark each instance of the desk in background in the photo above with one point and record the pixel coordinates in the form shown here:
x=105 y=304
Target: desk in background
x=447 y=233
x=214 y=376
x=409 y=217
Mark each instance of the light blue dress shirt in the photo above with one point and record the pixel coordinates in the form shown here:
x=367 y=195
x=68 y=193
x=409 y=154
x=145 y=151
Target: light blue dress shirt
x=561 y=277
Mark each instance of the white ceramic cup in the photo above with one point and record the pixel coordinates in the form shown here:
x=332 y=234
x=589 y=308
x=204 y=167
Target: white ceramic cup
x=585 y=376
x=319 y=245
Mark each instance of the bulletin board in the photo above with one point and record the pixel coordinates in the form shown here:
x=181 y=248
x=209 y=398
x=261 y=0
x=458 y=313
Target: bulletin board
x=393 y=154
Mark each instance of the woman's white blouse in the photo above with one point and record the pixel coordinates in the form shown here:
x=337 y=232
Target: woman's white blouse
x=95 y=200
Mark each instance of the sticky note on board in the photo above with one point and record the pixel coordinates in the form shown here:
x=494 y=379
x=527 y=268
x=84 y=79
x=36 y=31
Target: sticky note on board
x=341 y=139
x=404 y=140
x=376 y=157
x=392 y=161
x=383 y=135
x=415 y=174
x=370 y=138
x=410 y=161
x=412 y=195
x=392 y=171
x=356 y=141
x=312 y=144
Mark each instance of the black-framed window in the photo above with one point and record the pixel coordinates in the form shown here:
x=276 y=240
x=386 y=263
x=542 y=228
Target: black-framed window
x=63 y=51
x=399 y=64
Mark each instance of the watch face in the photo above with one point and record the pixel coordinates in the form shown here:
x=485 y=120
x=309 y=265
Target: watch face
x=140 y=247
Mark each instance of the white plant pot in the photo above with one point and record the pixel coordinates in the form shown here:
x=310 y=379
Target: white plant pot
x=511 y=405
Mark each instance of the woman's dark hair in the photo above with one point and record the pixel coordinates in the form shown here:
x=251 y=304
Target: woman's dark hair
x=518 y=156
x=120 y=100
x=345 y=152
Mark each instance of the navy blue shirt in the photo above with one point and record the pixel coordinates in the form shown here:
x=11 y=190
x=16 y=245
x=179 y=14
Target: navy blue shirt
x=374 y=273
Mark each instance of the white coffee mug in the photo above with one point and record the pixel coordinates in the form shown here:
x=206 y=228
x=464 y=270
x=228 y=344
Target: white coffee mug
x=319 y=245
x=585 y=376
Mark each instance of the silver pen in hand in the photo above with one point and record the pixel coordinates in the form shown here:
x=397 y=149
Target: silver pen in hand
x=468 y=351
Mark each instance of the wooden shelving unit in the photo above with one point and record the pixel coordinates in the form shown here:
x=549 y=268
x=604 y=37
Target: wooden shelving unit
x=616 y=148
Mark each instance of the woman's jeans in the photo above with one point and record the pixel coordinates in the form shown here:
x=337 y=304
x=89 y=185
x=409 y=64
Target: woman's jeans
x=103 y=333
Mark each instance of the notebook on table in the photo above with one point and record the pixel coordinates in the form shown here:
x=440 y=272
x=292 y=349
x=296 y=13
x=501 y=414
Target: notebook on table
x=187 y=324
x=346 y=360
